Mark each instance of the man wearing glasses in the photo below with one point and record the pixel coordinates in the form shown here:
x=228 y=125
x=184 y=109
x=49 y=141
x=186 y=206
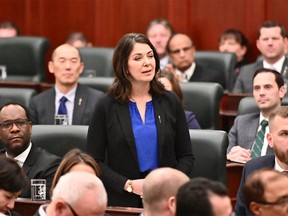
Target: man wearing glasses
x=182 y=52
x=278 y=140
x=76 y=193
x=266 y=193
x=15 y=135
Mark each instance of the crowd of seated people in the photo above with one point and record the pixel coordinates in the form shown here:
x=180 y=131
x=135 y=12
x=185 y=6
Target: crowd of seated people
x=141 y=128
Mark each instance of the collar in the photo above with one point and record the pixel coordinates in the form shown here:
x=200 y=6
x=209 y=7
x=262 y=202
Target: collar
x=70 y=95
x=42 y=210
x=187 y=74
x=23 y=156
x=164 y=61
x=277 y=166
x=276 y=66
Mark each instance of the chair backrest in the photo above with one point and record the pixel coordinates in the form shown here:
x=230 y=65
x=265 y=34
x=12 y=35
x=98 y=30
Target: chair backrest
x=209 y=149
x=24 y=58
x=248 y=105
x=18 y=95
x=203 y=99
x=59 y=139
x=99 y=83
x=220 y=61
x=97 y=61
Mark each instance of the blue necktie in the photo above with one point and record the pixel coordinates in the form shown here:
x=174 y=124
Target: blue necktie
x=62 y=110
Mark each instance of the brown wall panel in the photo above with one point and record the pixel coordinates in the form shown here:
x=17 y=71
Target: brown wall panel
x=105 y=21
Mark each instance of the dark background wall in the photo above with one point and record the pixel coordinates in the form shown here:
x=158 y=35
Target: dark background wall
x=105 y=21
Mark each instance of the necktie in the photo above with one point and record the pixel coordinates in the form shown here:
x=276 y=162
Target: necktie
x=62 y=110
x=259 y=140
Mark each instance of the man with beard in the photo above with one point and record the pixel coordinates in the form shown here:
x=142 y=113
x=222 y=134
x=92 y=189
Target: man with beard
x=182 y=52
x=278 y=140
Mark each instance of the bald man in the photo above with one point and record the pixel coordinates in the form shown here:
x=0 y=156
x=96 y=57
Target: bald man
x=66 y=65
x=159 y=191
x=182 y=51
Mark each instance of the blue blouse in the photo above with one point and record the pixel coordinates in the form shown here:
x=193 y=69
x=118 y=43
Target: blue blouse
x=145 y=135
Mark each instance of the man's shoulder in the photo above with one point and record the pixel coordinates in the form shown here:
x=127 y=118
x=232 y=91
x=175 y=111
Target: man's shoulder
x=266 y=161
x=42 y=154
x=44 y=94
x=247 y=117
x=250 y=68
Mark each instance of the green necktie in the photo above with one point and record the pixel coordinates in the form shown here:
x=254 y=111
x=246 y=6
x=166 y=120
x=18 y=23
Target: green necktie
x=259 y=140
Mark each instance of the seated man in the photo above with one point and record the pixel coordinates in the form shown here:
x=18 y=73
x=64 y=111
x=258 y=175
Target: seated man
x=78 y=40
x=77 y=100
x=266 y=193
x=233 y=40
x=278 y=126
x=159 y=191
x=15 y=134
x=201 y=196
x=181 y=52
x=8 y=29
x=271 y=42
x=76 y=193
x=158 y=32
x=268 y=91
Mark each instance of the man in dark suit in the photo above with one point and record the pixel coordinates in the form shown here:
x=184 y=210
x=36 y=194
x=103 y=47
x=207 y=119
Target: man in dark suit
x=181 y=52
x=268 y=91
x=66 y=65
x=15 y=135
x=278 y=140
x=271 y=43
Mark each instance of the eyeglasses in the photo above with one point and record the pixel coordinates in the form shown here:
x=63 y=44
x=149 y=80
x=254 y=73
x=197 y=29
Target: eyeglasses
x=177 y=51
x=282 y=200
x=71 y=209
x=20 y=123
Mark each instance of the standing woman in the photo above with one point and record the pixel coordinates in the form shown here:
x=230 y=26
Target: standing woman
x=137 y=126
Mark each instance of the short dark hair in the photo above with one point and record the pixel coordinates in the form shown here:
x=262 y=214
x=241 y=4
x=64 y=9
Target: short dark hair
x=193 y=197
x=9 y=25
x=162 y=22
x=74 y=36
x=237 y=35
x=12 y=177
x=122 y=87
x=278 y=77
x=271 y=24
x=18 y=104
x=172 y=36
x=254 y=190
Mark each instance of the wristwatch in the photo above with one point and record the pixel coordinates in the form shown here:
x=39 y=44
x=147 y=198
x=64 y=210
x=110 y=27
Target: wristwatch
x=129 y=187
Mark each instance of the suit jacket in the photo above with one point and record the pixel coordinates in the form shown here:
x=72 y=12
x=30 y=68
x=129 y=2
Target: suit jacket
x=204 y=74
x=39 y=164
x=243 y=132
x=111 y=130
x=244 y=81
x=42 y=106
x=267 y=161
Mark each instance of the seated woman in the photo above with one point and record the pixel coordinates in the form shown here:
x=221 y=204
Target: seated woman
x=75 y=160
x=12 y=181
x=171 y=83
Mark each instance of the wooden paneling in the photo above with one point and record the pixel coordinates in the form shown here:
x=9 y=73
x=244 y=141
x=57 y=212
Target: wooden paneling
x=105 y=21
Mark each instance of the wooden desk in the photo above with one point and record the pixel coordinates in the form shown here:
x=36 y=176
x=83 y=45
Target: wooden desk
x=234 y=173
x=228 y=109
x=27 y=207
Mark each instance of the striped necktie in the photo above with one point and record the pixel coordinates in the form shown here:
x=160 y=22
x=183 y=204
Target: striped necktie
x=259 y=140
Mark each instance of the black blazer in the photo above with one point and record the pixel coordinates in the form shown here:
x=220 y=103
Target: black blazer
x=111 y=130
x=204 y=74
x=42 y=106
x=267 y=161
x=39 y=164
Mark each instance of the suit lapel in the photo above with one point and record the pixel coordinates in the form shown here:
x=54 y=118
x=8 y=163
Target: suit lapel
x=50 y=103
x=284 y=70
x=29 y=162
x=159 y=111
x=252 y=130
x=79 y=105
x=125 y=121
